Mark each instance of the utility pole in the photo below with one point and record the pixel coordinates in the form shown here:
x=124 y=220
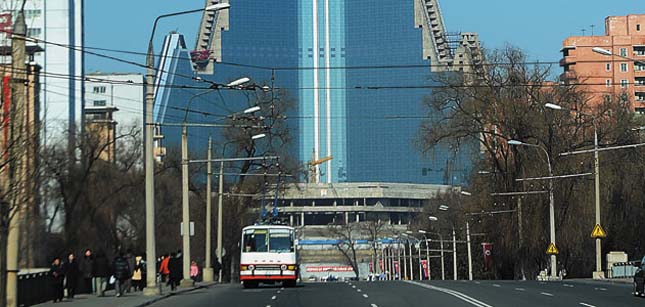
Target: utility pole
x=18 y=104
x=598 y=274
x=454 y=254
x=470 y=255
x=220 y=194
x=208 y=269
x=185 y=208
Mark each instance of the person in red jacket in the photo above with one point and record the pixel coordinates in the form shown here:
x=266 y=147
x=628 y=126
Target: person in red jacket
x=163 y=268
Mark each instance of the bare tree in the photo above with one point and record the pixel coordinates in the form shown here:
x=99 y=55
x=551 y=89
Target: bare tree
x=346 y=242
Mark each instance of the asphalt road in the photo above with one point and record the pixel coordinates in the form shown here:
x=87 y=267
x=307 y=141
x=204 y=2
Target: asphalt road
x=415 y=294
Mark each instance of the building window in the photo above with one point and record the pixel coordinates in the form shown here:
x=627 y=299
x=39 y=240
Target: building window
x=99 y=90
x=424 y=172
x=34 y=32
x=623 y=51
x=608 y=67
x=608 y=83
x=623 y=83
x=623 y=67
x=99 y=103
x=638 y=27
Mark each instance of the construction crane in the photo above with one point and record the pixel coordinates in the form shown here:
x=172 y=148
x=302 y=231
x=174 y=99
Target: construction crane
x=313 y=169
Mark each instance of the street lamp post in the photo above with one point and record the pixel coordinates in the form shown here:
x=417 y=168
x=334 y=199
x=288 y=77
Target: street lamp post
x=551 y=201
x=470 y=255
x=454 y=254
x=151 y=280
x=598 y=274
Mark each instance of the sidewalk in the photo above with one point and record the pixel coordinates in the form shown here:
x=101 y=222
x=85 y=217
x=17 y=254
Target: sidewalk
x=132 y=299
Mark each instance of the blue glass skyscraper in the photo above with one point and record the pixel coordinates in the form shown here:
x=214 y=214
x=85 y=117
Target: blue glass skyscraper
x=359 y=72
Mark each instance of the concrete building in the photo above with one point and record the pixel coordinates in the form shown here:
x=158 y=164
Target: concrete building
x=114 y=108
x=358 y=83
x=58 y=24
x=603 y=75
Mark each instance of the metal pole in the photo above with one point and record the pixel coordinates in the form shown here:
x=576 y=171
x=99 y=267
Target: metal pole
x=398 y=255
x=443 y=270
x=419 y=262
x=428 y=259
x=16 y=169
x=454 y=254
x=220 y=191
x=208 y=269
x=599 y=273
x=185 y=207
x=411 y=265
x=405 y=264
x=551 y=215
x=470 y=256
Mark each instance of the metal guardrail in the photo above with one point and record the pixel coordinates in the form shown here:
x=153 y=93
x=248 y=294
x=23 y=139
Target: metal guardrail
x=35 y=288
x=624 y=269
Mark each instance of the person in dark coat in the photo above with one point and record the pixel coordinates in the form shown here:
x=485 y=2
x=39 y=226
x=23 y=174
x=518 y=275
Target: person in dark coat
x=58 y=276
x=174 y=265
x=102 y=272
x=71 y=275
x=121 y=273
x=86 y=266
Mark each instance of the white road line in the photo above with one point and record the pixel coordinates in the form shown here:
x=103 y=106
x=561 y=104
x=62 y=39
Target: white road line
x=273 y=297
x=454 y=293
x=373 y=305
x=353 y=287
x=477 y=282
x=547 y=294
x=278 y=291
x=496 y=285
x=568 y=285
x=520 y=289
x=588 y=305
x=358 y=290
x=365 y=296
x=268 y=305
x=282 y=288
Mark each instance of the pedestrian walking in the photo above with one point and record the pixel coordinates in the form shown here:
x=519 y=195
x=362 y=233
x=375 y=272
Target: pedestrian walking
x=129 y=256
x=58 y=276
x=102 y=272
x=138 y=273
x=194 y=271
x=121 y=273
x=86 y=266
x=175 y=268
x=163 y=268
x=71 y=275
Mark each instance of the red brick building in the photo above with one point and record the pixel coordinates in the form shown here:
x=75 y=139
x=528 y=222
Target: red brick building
x=621 y=74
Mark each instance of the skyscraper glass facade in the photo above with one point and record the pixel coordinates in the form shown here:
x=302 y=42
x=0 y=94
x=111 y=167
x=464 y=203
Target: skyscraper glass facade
x=357 y=72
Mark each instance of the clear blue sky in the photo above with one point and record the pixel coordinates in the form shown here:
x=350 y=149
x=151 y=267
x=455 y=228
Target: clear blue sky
x=538 y=27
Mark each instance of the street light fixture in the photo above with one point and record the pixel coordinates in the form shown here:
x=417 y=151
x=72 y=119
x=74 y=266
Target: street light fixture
x=609 y=53
x=443 y=208
x=252 y=109
x=599 y=272
x=551 y=200
x=151 y=282
x=601 y=51
x=238 y=82
x=433 y=218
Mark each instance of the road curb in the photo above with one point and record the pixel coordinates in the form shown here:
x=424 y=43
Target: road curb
x=170 y=294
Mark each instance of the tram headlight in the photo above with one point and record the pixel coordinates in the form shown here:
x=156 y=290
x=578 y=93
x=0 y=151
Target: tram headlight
x=283 y=267
x=251 y=267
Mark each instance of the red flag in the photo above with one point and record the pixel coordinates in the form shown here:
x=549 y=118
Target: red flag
x=426 y=268
x=488 y=255
x=396 y=268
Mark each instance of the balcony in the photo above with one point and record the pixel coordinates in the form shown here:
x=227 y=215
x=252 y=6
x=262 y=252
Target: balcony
x=568 y=60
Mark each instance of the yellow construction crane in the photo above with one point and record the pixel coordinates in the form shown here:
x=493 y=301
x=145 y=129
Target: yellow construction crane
x=313 y=169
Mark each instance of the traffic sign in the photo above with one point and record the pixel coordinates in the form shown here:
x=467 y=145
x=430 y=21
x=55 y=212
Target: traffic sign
x=552 y=250
x=598 y=232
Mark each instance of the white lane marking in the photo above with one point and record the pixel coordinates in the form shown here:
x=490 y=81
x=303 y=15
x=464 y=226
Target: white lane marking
x=520 y=289
x=365 y=296
x=477 y=282
x=545 y=293
x=273 y=297
x=278 y=291
x=588 y=305
x=496 y=285
x=353 y=287
x=373 y=305
x=268 y=305
x=358 y=290
x=454 y=293
x=568 y=285
x=282 y=288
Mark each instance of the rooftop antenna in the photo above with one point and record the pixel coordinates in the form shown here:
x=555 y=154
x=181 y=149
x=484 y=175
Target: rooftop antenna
x=592 y=26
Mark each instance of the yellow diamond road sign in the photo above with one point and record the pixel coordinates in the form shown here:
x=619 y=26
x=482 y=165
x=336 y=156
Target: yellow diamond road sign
x=552 y=250
x=598 y=232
